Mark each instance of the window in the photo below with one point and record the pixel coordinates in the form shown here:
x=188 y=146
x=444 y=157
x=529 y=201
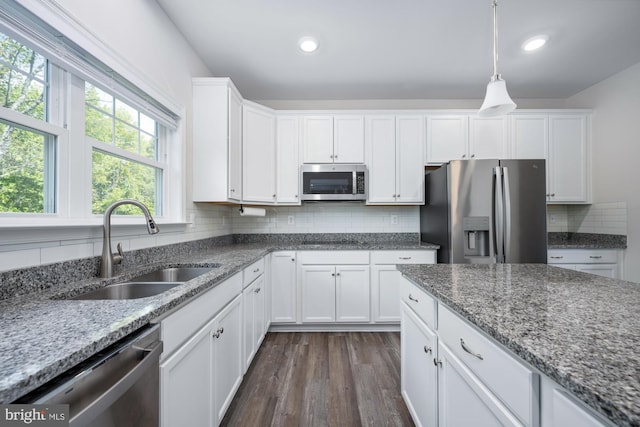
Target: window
x=27 y=151
x=125 y=153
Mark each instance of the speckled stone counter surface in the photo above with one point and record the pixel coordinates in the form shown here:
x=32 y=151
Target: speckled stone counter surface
x=42 y=335
x=581 y=330
x=586 y=241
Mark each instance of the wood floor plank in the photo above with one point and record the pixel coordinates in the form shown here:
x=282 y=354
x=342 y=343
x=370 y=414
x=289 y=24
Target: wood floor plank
x=310 y=379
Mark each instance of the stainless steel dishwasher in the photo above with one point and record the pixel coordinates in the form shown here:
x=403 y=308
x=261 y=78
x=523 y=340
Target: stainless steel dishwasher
x=119 y=386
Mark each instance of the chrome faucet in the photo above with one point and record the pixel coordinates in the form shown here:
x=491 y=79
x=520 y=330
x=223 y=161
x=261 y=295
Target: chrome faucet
x=109 y=259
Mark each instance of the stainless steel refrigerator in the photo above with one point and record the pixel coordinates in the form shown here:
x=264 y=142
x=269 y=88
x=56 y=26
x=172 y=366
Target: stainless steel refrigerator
x=486 y=211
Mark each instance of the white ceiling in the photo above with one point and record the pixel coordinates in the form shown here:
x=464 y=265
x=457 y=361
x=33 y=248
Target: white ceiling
x=408 y=49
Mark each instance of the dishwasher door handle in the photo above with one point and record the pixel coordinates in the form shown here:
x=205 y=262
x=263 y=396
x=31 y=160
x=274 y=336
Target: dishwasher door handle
x=151 y=355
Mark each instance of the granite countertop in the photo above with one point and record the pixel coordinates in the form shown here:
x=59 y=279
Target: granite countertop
x=581 y=330
x=77 y=329
x=557 y=240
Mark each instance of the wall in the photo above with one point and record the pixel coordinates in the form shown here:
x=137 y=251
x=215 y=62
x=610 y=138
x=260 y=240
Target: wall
x=598 y=218
x=143 y=37
x=616 y=150
x=331 y=217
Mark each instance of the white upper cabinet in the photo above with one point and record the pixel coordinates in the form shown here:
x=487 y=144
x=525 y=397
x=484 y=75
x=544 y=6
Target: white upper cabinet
x=466 y=136
x=217 y=140
x=333 y=139
x=259 y=154
x=395 y=159
x=563 y=140
x=288 y=160
x=488 y=137
x=447 y=138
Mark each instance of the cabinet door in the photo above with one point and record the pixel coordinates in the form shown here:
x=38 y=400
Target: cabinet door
x=288 y=160
x=568 y=412
x=418 y=372
x=604 y=270
x=259 y=158
x=352 y=293
x=488 y=138
x=185 y=384
x=462 y=398
x=317 y=139
x=235 y=146
x=385 y=297
x=318 y=293
x=409 y=159
x=447 y=138
x=567 y=165
x=381 y=143
x=259 y=312
x=248 y=325
x=348 y=139
x=226 y=358
x=529 y=136
x=283 y=287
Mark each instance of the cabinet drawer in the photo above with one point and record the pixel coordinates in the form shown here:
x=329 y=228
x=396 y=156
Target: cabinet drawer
x=186 y=321
x=252 y=272
x=582 y=256
x=333 y=257
x=512 y=382
x=403 y=257
x=422 y=303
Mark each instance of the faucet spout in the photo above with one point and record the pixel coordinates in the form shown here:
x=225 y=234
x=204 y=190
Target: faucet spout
x=109 y=259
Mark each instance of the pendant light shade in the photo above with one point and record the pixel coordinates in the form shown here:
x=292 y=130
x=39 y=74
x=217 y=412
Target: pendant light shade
x=497 y=101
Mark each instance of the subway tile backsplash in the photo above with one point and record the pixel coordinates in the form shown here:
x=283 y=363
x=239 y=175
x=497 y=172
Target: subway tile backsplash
x=598 y=218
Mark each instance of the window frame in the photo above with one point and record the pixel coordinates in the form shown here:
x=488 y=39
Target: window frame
x=73 y=160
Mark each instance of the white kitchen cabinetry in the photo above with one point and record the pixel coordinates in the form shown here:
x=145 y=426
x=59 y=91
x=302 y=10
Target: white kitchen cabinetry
x=217 y=140
x=385 y=280
x=563 y=140
x=567 y=411
x=284 y=296
x=258 y=154
x=333 y=139
x=466 y=136
x=201 y=368
x=395 y=159
x=334 y=286
x=253 y=301
x=288 y=160
x=602 y=262
x=419 y=384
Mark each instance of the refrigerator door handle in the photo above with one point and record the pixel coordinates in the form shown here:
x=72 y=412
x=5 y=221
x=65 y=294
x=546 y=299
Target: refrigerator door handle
x=498 y=224
x=507 y=213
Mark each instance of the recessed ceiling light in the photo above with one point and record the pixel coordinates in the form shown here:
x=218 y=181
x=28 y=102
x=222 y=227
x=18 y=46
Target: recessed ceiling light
x=308 y=44
x=535 y=43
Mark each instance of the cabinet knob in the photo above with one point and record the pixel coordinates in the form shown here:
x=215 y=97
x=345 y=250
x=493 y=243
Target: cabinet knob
x=398 y=196
x=437 y=362
x=331 y=156
x=257 y=291
x=337 y=274
x=333 y=275
x=464 y=156
x=293 y=259
x=427 y=349
x=394 y=196
x=473 y=155
x=296 y=196
x=274 y=196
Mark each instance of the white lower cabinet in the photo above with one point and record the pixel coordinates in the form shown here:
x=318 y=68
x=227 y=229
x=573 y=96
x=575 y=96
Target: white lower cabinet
x=284 y=295
x=454 y=375
x=335 y=293
x=198 y=381
x=601 y=262
x=253 y=301
x=419 y=384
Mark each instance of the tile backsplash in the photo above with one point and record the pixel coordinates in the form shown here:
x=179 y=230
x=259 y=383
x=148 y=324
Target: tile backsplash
x=598 y=218
x=330 y=217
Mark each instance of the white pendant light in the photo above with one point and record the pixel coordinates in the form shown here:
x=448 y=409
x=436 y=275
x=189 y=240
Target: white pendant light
x=497 y=101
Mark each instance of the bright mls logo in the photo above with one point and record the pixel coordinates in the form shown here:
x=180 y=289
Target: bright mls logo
x=34 y=415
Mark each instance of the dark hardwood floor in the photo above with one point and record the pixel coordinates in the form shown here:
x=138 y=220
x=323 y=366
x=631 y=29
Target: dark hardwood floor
x=336 y=379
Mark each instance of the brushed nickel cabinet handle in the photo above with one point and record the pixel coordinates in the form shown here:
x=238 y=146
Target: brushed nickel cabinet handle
x=412 y=298
x=404 y=257
x=468 y=350
x=595 y=256
x=556 y=257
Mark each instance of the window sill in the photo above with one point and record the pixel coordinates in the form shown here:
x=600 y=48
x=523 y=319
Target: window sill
x=52 y=222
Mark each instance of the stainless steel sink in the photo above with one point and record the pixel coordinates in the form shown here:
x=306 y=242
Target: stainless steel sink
x=146 y=285
x=128 y=290
x=177 y=274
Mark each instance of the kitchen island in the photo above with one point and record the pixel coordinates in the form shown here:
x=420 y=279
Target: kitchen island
x=580 y=330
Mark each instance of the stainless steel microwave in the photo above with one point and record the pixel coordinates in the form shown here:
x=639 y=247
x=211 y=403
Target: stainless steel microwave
x=333 y=182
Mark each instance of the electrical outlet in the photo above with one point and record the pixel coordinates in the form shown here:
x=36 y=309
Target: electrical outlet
x=291 y=220
x=394 y=219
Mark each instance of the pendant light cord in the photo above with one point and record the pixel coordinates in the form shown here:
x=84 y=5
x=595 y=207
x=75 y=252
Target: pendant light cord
x=495 y=40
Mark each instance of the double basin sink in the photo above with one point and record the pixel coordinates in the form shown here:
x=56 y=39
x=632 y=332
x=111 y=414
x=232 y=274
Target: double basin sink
x=146 y=285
